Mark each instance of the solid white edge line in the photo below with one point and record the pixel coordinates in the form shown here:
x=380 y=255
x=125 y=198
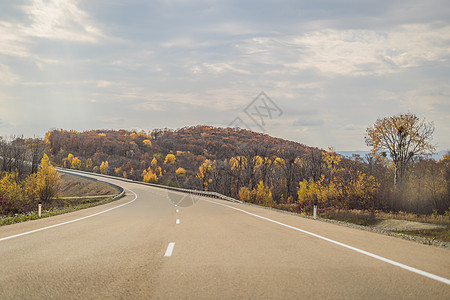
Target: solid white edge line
x=169 y=249
x=389 y=261
x=68 y=222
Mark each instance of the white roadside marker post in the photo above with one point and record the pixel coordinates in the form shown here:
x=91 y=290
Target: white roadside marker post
x=39 y=209
x=315 y=211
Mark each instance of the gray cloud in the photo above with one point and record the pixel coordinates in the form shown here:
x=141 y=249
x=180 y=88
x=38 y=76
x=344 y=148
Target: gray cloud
x=308 y=122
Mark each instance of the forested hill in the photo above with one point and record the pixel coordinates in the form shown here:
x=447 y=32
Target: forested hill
x=188 y=157
x=211 y=142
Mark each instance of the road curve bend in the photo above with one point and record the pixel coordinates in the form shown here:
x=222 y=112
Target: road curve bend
x=143 y=246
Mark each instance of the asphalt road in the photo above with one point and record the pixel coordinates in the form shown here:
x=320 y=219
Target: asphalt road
x=142 y=246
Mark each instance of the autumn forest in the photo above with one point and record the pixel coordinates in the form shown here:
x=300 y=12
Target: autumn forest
x=246 y=165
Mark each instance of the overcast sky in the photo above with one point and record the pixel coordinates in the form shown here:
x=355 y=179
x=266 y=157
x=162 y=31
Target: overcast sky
x=329 y=68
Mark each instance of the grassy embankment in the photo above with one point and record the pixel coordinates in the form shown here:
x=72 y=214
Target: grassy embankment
x=368 y=219
x=71 y=186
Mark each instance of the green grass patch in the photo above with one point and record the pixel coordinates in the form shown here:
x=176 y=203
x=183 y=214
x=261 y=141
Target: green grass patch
x=58 y=207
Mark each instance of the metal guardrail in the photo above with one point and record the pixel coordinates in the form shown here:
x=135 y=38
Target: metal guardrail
x=188 y=191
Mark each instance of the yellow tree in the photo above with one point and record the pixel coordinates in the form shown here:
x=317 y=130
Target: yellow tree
x=89 y=164
x=204 y=172
x=47 y=181
x=403 y=136
x=118 y=171
x=180 y=172
x=170 y=159
x=104 y=167
x=154 y=162
x=238 y=165
x=149 y=176
x=264 y=195
x=309 y=192
x=76 y=163
x=364 y=189
x=332 y=159
x=11 y=193
x=67 y=162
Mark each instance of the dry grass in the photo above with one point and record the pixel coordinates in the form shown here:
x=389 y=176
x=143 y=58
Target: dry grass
x=77 y=186
x=433 y=218
x=367 y=219
x=351 y=216
x=438 y=234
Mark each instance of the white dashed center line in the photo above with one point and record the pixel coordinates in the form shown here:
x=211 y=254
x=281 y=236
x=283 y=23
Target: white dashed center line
x=169 y=249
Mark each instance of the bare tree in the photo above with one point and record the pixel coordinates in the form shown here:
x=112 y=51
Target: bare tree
x=290 y=166
x=253 y=154
x=403 y=137
x=36 y=148
x=313 y=164
x=13 y=155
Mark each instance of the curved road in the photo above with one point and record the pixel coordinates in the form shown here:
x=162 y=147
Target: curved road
x=142 y=246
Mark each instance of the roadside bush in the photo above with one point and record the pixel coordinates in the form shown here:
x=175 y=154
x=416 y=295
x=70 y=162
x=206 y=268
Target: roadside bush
x=262 y=195
x=22 y=195
x=13 y=196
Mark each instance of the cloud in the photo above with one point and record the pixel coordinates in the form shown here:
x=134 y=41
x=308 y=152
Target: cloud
x=61 y=20
x=56 y=83
x=5 y=124
x=353 y=52
x=231 y=28
x=11 y=42
x=104 y=84
x=52 y=20
x=352 y=127
x=149 y=106
x=308 y=122
x=331 y=66
x=187 y=43
x=223 y=67
x=7 y=77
